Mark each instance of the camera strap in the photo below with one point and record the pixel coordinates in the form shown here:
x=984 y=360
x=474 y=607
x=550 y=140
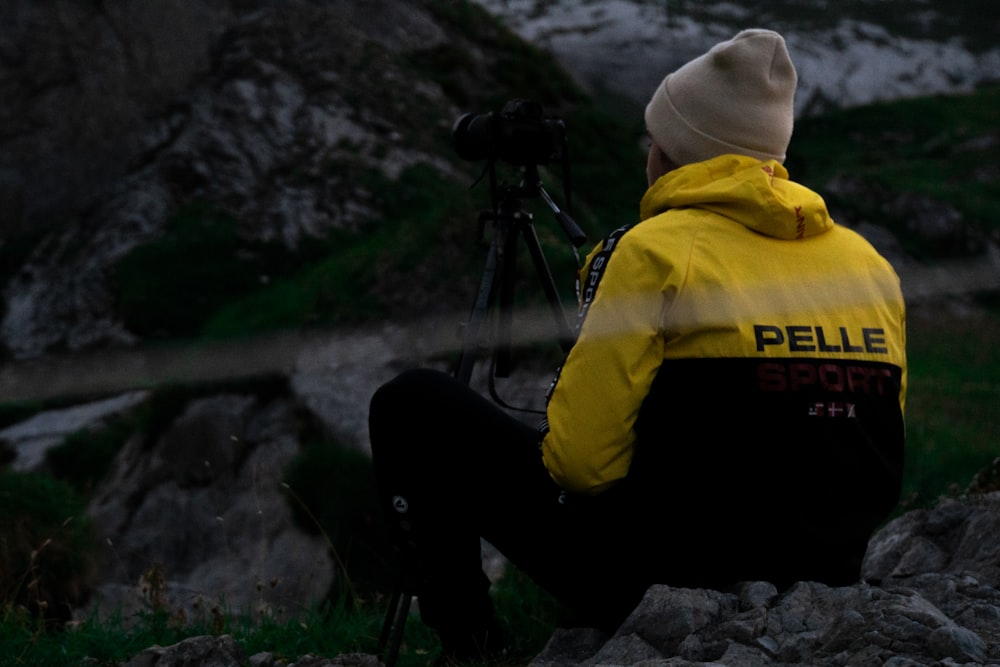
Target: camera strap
x=586 y=290
x=586 y=286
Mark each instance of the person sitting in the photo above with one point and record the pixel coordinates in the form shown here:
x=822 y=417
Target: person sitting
x=731 y=410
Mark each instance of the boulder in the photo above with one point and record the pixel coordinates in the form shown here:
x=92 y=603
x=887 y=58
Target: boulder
x=198 y=523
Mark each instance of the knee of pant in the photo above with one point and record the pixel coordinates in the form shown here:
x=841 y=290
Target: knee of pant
x=402 y=392
x=416 y=381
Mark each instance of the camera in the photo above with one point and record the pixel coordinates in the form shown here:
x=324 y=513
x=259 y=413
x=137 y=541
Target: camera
x=518 y=134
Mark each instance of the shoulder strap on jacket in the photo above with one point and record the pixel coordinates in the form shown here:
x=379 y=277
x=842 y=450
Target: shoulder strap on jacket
x=587 y=289
x=587 y=285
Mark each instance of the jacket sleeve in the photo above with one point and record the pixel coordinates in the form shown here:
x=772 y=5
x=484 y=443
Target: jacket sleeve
x=595 y=400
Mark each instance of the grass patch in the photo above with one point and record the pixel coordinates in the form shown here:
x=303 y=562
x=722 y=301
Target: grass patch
x=526 y=613
x=952 y=428
x=332 y=492
x=327 y=631
x=517 y=68
x=202 y=280
x=46 y=546
x=84 y=457
x=170 y=287
x=945 y=148
x=13 y=413
x=370 y=274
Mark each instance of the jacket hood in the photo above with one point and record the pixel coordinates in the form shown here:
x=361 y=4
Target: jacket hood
x=756 y=194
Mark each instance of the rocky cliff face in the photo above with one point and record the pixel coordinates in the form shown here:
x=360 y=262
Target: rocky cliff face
x=268 y=116
x=80 y=83
x=846 y=55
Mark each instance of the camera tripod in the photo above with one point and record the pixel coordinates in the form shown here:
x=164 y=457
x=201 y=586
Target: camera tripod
x=494 y=300
x=511 y=222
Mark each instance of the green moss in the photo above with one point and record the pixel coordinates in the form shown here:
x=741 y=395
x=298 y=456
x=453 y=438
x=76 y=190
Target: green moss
x=169 y=287
x=952 y=430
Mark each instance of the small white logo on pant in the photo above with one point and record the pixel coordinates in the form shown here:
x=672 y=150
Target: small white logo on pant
x=400 y=505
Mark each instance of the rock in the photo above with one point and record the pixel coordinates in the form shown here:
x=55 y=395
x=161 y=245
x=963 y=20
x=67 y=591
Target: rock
x=956 y=537
x=223 y=651
x=933 y=222
x=810 y=624
x=196 y=651
x=930 y=597
x=79 y=83
x=197 y=523
x=276 y=135
x=31 y=438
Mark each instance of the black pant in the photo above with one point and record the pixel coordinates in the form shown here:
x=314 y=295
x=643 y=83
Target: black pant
x=453 y=467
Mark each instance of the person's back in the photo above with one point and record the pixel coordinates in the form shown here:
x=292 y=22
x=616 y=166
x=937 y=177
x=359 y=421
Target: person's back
x=778 y=402
x=740 y=365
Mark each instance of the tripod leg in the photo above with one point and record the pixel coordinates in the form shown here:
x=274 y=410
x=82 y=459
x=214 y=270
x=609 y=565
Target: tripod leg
x=502 y=344
x=394 y=625
x=566 y=337
x=387 y=624
x=484 y=297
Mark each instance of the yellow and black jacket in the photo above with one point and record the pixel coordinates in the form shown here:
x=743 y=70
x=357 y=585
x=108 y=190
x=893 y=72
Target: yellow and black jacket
x=735 y=328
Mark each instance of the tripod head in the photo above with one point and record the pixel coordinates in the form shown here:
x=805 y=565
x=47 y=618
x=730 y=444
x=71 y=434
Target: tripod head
x=522 y=136
x=531 y=186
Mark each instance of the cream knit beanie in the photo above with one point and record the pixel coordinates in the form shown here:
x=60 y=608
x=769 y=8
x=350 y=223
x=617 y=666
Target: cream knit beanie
x=737 y=98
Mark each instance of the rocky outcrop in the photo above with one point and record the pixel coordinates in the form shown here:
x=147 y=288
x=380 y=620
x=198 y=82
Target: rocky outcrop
x=272 y=118
x=29 y=440
x=901 y=623
x=199 y=520
x=930 y=597
x=204 y=502
x=80 y=82
x=844 y=55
